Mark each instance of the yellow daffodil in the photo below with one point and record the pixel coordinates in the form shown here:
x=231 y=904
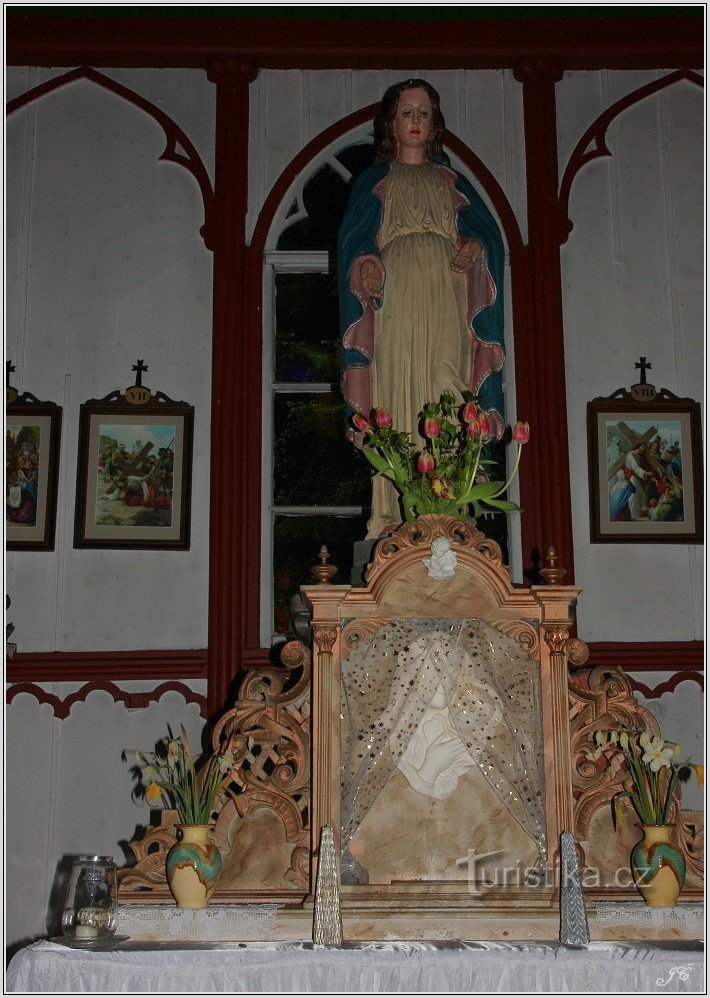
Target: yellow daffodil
x=154 y=794
x=658 y=755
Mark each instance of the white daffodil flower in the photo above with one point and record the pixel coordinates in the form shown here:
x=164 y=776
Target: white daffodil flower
x=613 y=737
x=624 y=739
x=225 y=762
x=656 y=755
x=644 y=740
x=173 y=751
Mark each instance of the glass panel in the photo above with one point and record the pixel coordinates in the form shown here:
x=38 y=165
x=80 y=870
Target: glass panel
x=357 y=158
x=324 y=198
x=297 y=542
x=314 y=465
x=495 y=525
x=307 y=328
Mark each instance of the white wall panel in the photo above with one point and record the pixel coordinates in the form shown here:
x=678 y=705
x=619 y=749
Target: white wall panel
x=71 y=791
x=107 y=265
x=680 y=715
x=631 y=287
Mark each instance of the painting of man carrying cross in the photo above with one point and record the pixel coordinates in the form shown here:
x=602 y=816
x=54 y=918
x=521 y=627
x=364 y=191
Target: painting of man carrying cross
x=134 y=475
x=644 y=470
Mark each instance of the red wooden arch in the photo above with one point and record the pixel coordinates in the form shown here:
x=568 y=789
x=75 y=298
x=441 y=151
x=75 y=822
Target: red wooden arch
x=596 y=133
x=174 y=136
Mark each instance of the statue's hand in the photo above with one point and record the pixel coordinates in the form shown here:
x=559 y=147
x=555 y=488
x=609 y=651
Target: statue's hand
x=370 y=275
x=466 y=256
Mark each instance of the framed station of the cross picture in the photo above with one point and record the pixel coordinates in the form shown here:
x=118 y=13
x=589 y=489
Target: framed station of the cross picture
x=645 y=469
x=134 y=472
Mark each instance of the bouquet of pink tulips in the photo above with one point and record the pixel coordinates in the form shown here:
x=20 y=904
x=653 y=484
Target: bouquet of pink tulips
x=654 y=769
x=448 y=474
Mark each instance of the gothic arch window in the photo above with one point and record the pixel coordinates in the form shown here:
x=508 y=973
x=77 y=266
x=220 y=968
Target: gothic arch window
x=315 y=486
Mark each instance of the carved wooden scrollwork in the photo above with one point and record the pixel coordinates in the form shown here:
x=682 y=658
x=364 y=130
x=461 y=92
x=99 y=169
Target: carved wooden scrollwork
x=148 y=875
x=422 y=532
x=691 y=839
x=268 y=731
x=599 y=699
x=356 y=631
x=521 y=631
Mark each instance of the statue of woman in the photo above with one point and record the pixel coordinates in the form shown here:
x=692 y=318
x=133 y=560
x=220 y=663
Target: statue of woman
x=420 y=261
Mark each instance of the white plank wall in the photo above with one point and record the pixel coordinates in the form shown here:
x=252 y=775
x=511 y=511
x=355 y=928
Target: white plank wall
x=68 y=791
x=105 y=264
x=632 y=286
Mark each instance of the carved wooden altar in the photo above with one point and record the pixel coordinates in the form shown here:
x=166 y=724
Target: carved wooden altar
x=284 y=732
x=397 y=585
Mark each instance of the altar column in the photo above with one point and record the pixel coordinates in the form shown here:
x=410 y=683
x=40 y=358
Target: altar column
x=324 y=602
x=539 y=357
x=229 y=475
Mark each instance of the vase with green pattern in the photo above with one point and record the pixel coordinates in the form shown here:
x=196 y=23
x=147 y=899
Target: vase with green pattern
x=658 y=866
x=192 y=866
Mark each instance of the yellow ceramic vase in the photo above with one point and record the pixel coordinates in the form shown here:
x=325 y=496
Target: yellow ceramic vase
x=658 y=866
x=192 y=867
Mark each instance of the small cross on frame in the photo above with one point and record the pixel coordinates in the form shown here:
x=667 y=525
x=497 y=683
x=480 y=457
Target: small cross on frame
x=643 y=367
x=140 y=368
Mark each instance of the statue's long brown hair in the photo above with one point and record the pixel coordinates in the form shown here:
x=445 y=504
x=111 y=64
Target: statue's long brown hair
x=385 y=142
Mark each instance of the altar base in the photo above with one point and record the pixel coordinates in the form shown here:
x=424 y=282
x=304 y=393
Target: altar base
x=500 y=918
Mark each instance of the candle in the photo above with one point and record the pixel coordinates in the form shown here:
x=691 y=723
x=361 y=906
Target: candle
x=86 y=932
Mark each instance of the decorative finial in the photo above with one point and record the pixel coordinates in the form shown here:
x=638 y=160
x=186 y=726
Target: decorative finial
x=552 y=574
x=324 y=572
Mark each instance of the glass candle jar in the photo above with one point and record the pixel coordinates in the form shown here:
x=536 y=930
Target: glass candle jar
x=90 y=910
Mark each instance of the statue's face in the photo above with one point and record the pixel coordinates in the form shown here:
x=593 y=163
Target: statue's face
x=413 y=123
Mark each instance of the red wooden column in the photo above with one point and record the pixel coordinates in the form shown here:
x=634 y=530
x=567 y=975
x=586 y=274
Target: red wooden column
x=539 y=356
x=228 y=450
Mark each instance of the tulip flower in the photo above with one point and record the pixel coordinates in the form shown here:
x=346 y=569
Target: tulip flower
x=425 y=463
x=383 y=418
x=361 y=422
x=441 y=487
x=473 y=429
x=521 y=433
x=470 y=412
x=484 y=424
x=432 y=427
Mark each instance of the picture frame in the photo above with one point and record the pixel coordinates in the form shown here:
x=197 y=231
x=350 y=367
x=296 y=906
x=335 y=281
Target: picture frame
x=134 y=472
x=32 y=437
x=645 y=468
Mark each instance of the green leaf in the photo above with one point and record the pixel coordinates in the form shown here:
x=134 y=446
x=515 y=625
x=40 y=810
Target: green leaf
x=502 y=504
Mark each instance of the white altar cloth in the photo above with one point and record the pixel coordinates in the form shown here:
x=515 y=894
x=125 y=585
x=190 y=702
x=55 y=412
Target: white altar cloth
x=292 y=968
